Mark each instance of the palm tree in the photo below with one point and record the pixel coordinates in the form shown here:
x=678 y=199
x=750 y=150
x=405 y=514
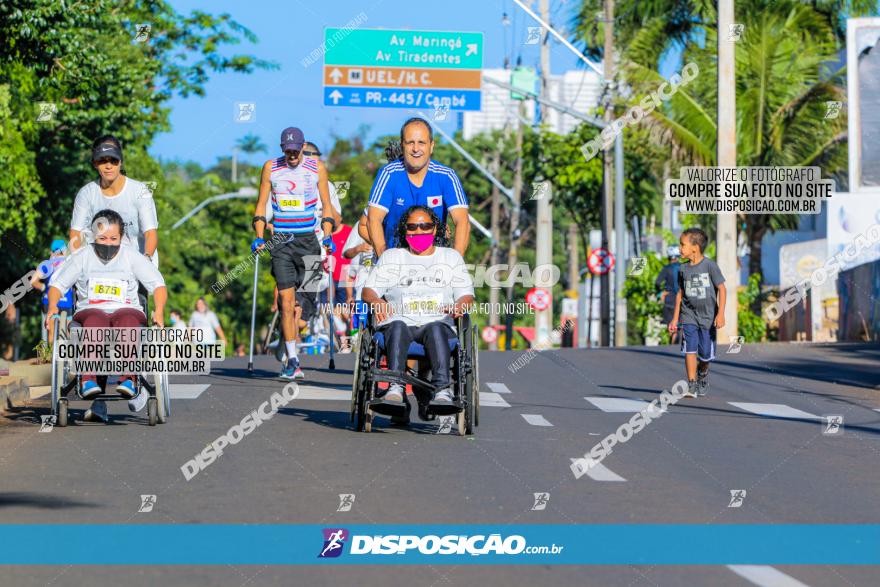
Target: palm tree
x=248 y=144
x=781 y=96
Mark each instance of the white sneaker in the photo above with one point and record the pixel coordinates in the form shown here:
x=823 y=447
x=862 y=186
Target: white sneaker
x=137 y=403
x=394 y=393
x=97 y=412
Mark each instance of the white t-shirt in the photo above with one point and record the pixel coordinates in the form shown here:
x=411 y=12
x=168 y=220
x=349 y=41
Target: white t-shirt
x=419 y=286
x=134 y=203
x=206 y=322
x=109 y=286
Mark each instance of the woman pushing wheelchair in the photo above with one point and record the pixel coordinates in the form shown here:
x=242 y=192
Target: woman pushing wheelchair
x=415 y=292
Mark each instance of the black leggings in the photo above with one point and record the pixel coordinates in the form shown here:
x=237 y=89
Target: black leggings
x=434 y=336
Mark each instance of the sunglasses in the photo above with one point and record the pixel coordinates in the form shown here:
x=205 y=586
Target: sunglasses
x=292 y=153
x=419 y=226
x=311 y=153
x=111 y=160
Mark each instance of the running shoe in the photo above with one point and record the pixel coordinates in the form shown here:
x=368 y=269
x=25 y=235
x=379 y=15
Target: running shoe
x=290 y=370
x=692 y=389
x=97 y=412
x=90 y=389
x=442 y=397
x=394 y=394
x=137 y=403
x=702 y=382
x=126 y=389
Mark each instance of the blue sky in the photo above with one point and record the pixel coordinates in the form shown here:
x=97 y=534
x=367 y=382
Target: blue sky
x=203 y=128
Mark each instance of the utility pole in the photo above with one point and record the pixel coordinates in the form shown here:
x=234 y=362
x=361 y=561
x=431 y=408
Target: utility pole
x=234 y=164
x=514 y=225
x=726 y=227
x=607 y=176
x=495 y=228
x=573 y=272
x=544 y=234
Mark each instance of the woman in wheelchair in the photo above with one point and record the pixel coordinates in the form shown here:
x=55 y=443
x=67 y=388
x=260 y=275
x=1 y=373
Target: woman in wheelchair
x=415 y=292
x=106 y=276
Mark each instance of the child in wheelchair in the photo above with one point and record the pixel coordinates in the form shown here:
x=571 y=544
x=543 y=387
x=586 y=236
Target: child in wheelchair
x=106 y=277
x=415 y=292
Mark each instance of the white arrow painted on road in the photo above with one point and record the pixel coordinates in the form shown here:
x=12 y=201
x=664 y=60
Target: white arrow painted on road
x=536 y=419
x=471 y=49
x=335 y=96
x=594 y=470
x=497 y=387
x=765 y=576
x=335 y=75
x=774 y=410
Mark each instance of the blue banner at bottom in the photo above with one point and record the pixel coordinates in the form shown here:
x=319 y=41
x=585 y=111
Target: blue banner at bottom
x=649 y=544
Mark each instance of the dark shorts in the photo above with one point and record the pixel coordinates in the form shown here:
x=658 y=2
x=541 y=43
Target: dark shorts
x=701 y=341
x=289 y=260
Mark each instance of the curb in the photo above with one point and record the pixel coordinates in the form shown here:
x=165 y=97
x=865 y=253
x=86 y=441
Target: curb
x=14 y=392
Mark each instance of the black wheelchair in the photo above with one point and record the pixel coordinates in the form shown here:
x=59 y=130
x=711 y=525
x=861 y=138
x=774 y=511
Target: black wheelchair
x=63 y=382
x=366 y=400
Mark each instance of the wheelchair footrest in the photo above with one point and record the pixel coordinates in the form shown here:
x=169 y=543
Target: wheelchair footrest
x=388 y=376
x=384 y=408
x=446 y=410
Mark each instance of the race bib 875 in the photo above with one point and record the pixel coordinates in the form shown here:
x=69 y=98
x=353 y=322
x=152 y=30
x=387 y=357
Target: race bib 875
x=107 y=290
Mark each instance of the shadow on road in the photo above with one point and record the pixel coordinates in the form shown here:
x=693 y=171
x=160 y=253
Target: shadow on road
x=42 y=501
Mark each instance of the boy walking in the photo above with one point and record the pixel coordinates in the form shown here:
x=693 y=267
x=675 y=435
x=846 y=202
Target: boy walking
x=699 y=308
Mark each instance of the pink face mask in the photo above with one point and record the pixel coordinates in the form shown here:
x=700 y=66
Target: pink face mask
x=420 y=242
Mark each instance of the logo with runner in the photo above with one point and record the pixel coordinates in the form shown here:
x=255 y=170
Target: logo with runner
x=334 y=541
x=435 y=201
x=147 y=503
x=47 y=423
x=541 y=500
x=737 y=496
x=346 y=500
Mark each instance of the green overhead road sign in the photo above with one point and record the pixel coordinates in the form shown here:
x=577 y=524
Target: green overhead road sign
x=426 y=49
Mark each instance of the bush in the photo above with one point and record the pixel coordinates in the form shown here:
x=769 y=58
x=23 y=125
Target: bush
x=751 y=326
x=643 y=303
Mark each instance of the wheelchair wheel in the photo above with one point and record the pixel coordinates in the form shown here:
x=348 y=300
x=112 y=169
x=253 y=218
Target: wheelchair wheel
x=476 y=413
x=361 y=382
x=61 y=413
x=163 y=397
x=368 y=420
x=153 y=411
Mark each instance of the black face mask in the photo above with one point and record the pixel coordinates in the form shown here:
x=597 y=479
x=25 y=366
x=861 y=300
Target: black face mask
x=105 y=252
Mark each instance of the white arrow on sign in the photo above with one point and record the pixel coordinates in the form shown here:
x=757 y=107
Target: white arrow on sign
x=335 y=75
x=471 y=49
x=335 y=95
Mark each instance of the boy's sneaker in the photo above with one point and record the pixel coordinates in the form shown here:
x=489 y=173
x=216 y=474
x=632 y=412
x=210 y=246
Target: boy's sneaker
x=97 y=412
x=126 y=389
x=702 y=382
x=137 y=403
x=692 y=389
x=394 y=394
x=90 y=389
x=291 y=370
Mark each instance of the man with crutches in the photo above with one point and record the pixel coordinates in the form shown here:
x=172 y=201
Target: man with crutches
x=294 y=184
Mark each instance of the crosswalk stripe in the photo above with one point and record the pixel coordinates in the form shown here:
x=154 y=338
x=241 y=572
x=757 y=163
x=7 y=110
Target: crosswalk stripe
x=598 y=471
x=765 y=576
x=188 y=390
x=497 y=387
x=618 y=404
x=536 y=420
x=492 y=400
x=774 y=410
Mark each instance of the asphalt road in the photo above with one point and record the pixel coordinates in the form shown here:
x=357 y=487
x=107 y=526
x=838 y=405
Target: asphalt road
x=762 y=430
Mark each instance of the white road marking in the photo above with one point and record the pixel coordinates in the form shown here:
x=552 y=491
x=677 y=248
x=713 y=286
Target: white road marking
x=775 y=410
x=598 y=471
x=617 y=404
x=765 y=576
x=536 y=420
x=188 y=390
x=324 y=393
x=492 y=400
x=497 y=387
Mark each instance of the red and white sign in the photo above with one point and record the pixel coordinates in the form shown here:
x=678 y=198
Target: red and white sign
x=489 y=334
x=600 y=261
x=538 y=299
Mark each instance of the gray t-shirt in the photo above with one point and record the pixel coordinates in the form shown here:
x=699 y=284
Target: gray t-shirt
x=134 y=203
x=699 y=298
